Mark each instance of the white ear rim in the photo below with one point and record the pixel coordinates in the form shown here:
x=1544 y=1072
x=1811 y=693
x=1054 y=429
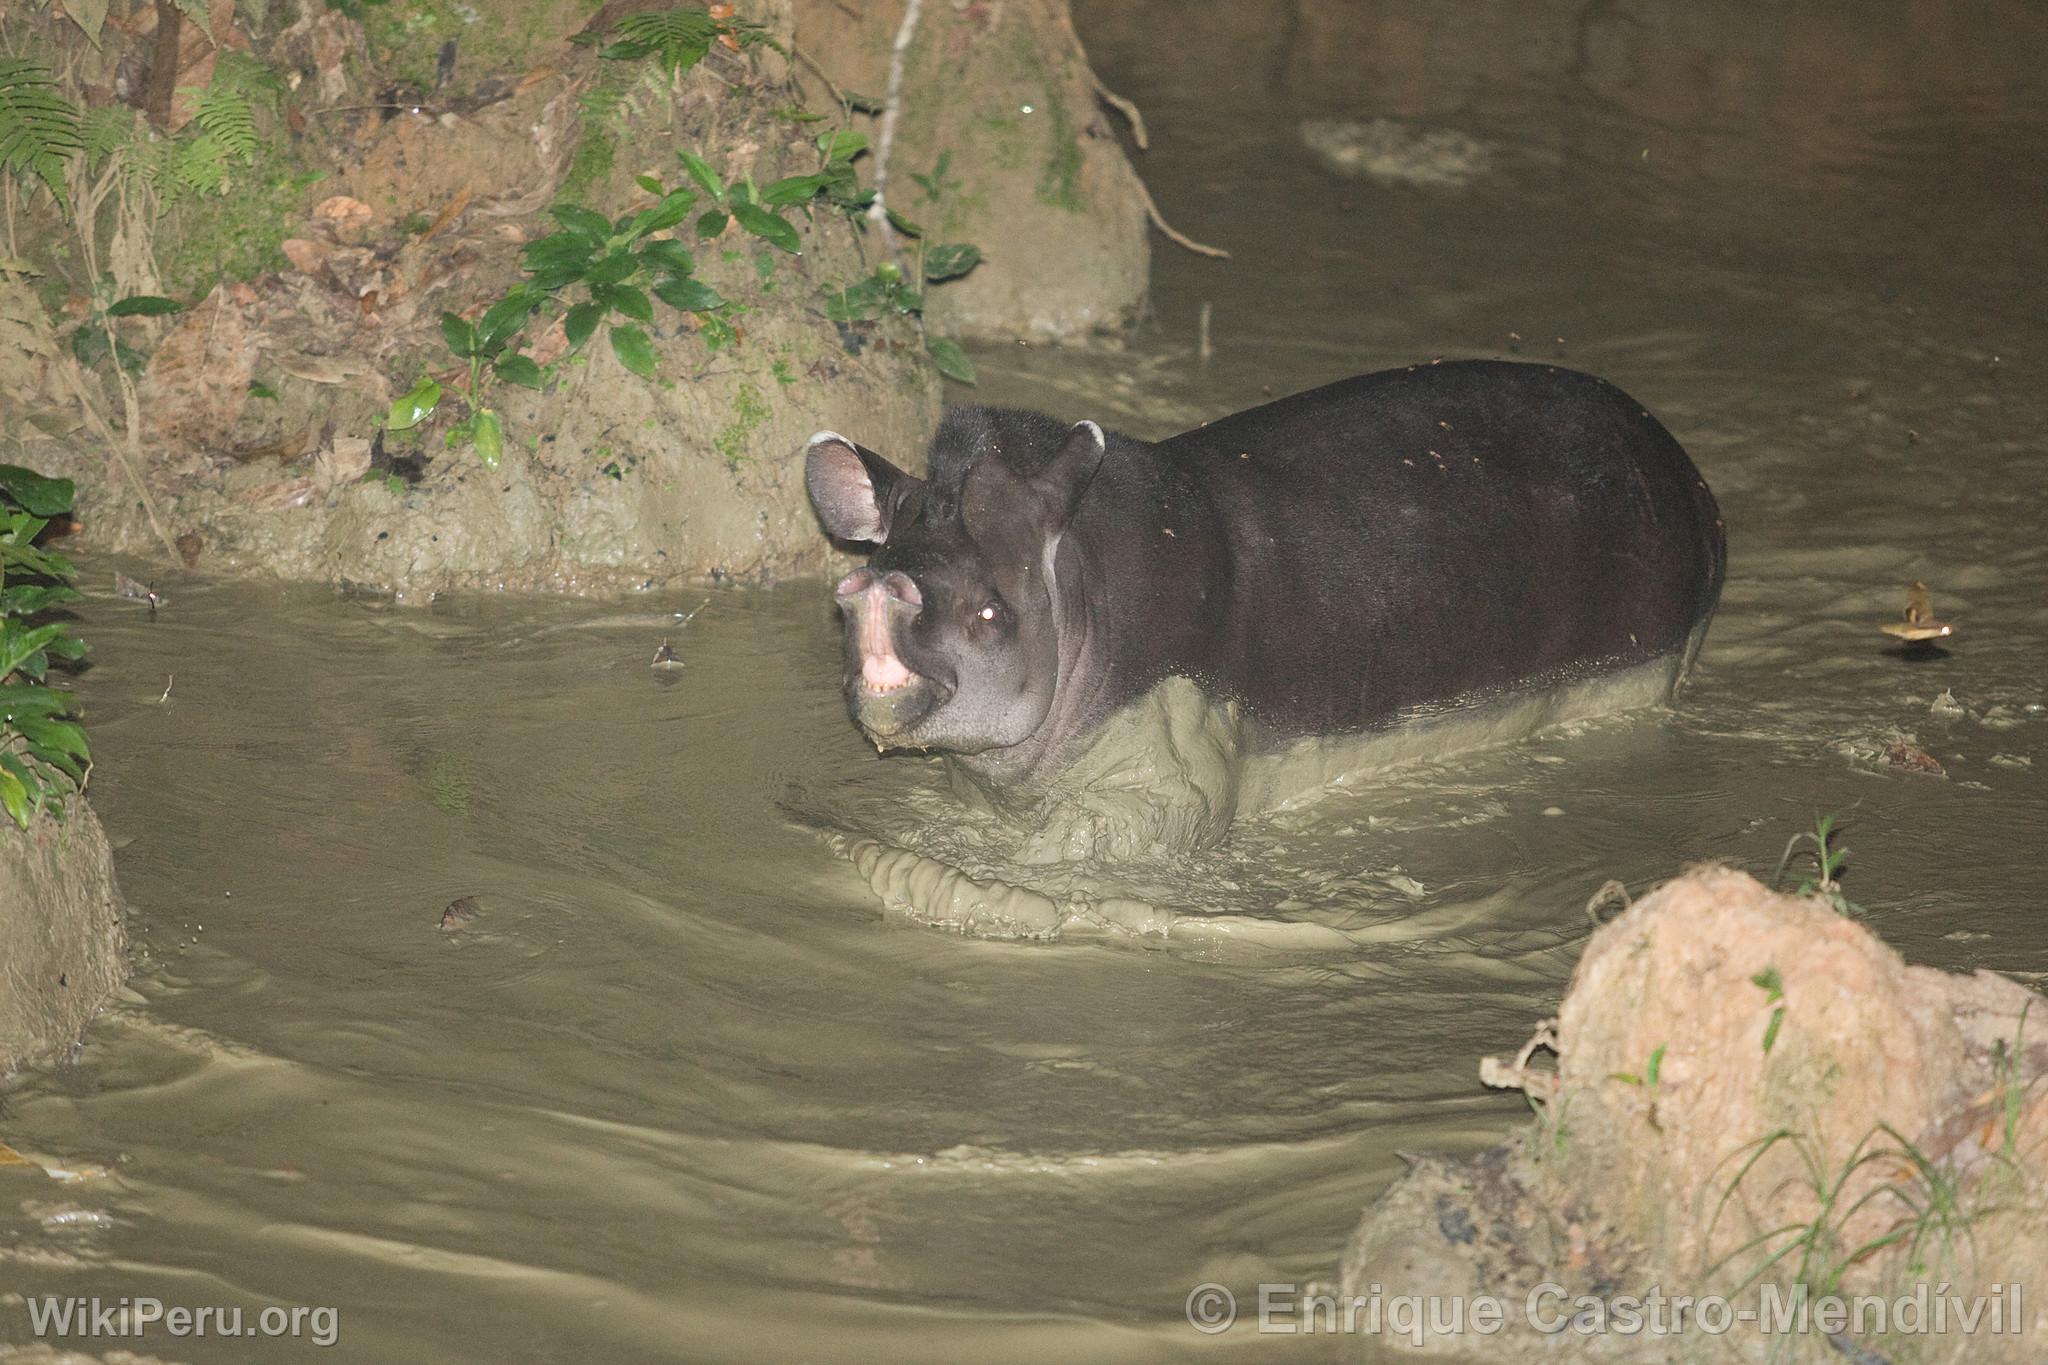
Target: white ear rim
x=866 y=526
x=1094 y=432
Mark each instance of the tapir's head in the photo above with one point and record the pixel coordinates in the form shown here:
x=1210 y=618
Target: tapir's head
x=953 y=627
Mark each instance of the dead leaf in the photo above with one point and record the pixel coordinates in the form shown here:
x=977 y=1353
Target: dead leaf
x=275 y=497
x=343 y=460
x=197 y=382
x=449 y=214
x=287 y=447
x=343 y=211
x=304 y=254
x=460 y=911
x=1913 y=759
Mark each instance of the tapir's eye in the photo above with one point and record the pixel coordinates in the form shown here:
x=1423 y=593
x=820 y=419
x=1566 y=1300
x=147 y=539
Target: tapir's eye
x=987 y=613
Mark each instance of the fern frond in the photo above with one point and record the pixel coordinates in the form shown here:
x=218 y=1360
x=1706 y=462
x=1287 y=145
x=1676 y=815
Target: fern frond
x=227 y=115
x=107 y=130
x=199 y=12
x=201 y=164
x=678 y=37
x=152 y=160
x=240 y=71
x=38 y=126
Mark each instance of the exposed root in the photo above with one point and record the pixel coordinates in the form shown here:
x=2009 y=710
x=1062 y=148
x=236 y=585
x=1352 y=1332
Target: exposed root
x=1144 y=141
x=892 y=107
x=1516 y=1075
x=1178 y=239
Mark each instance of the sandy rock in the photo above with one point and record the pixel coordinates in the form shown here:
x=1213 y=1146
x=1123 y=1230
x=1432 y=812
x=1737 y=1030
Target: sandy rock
x=63 y=946
x=1035 y=176
x=1864 y=1040
x=1677 y=1153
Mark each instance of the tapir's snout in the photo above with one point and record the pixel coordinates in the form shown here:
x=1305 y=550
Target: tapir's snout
x=887 y=696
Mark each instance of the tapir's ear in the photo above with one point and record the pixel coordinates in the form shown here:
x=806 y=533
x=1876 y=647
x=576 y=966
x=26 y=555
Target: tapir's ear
x=855 y=490
x=998 y=503
x=1067 y=477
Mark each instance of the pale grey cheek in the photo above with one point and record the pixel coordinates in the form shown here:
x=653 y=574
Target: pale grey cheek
x=999 y=701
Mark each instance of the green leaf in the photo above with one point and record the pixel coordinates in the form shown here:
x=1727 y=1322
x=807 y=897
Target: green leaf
x=796 y=189
x=68 y=764
x=769 y=227
x=613 y=268
x=415 y=407
x=634 y=350
x=520 y=370
x=14 y=795
x=951 y=360
x=27 y=699
x=503 y=319
x=581 y=322
x=842 y=145
x=671 y=256
x=701 y=172
x=57 y=736
x=1771 y=1029
x=559 y=249
x=22 y=650
x=39 y=128
x=144 y=306
x=490 y=438
x=259 y=390
x=26 y=599
x=625 y=299
x=592 y=227
x=460 y=336
x=855 y=303
x=673 y=208
x=689 y=295
x=35 y=494
x=950 y=261
x=650 y=184
x=711 y=224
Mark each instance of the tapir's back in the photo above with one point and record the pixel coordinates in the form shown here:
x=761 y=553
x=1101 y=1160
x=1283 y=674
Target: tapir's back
x=1444 y=532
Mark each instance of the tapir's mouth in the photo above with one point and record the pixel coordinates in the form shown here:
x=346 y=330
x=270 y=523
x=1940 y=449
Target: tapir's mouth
x=886 y=694
x=892 y=711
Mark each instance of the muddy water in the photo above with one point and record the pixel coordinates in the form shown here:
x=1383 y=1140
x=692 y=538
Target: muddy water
x=681 y=1090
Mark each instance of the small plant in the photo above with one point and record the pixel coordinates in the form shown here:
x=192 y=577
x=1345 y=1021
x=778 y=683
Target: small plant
x=96 y=338
x=677 y=38
x=43 y=752
x=616 y=263
x=1773 y=986
x=886 y=291
x=39 y=128
x=1933 y=1211
x=1828 y=860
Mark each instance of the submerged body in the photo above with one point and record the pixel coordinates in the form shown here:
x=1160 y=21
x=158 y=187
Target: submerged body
x=1338 y=562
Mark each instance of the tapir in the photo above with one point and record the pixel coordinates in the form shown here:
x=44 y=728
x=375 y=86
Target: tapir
x=1342 y=561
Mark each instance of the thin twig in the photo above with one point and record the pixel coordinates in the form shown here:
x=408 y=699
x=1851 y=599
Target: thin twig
x=892 y=105
x=72 y=371
x=1103 y=92
x=1159 y=221
x=819 y=71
